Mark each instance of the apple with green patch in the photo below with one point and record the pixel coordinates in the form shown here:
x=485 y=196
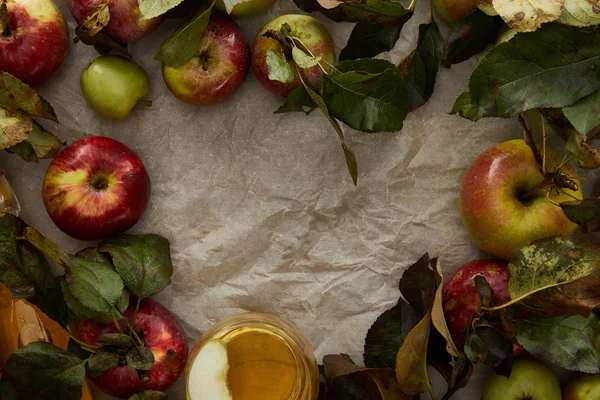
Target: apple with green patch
x=528 y=380
x=504 y=199
x=95 y=188
x=34 y=39
x=219 y=69
x=311 y=33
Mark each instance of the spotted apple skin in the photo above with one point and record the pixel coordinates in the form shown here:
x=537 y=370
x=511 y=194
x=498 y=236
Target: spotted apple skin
x=36 y=42
x=126 y=25
x=78 y=206
x=218 y=71
x=162 y=334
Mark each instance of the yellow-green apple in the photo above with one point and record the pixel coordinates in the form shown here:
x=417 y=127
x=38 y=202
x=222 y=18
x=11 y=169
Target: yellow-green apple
x=585 y=387
x=315 y=37
x=246 y=8
x=529 y=380
x=504 y=201
x=126 y=24
x=34 y=40
x=218 y=70
x=162 y=334
x=96 y=187
x=454 y=10
x=113 y=85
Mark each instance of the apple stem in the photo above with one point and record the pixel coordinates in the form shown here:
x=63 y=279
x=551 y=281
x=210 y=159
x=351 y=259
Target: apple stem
x=528 y=195
x=4 y=25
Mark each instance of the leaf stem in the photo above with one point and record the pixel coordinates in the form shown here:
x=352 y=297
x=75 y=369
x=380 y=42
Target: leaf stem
x=306 y=49
x=86 y=346
x=524 y=296
x=413 y=3
x=114 y=318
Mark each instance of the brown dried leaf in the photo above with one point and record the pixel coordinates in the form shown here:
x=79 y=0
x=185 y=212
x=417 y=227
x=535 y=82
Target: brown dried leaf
x=528 y=15
x=15 y=126
x=437 y=314
x=585 y=155
x=487 y=7
x=96 y=20
x=411 y=362
x=16 y=95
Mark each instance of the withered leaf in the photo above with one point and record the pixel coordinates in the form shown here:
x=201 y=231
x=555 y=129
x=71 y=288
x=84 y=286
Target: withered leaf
x=16 y=95
x=528 y=15
x=96 y=20
x=15 y=127
x=585 y=155
x=437 y=313
x=411 y=361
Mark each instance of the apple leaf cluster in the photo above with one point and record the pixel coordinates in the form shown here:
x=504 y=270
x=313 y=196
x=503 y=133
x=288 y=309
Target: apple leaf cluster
x=96 y=284
x=19 y=133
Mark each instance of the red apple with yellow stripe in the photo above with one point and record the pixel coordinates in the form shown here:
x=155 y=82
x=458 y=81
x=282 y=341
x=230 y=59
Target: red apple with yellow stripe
x=96 y=187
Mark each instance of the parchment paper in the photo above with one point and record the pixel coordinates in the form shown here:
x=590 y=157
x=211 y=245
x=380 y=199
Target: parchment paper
x=260 y=209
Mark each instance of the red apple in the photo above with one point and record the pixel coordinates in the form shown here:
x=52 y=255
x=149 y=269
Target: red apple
x=219 y=69
x=126 y=24
x=96 y=187
x=161 y=333
x=315 y=37
x=503 y=199
x=35 y=40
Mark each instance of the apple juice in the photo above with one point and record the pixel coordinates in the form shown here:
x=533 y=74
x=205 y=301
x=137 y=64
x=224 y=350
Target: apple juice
x=267 y=359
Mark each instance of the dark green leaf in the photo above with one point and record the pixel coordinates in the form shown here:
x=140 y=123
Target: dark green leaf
x=556 y=276
x=25 y=271
x=483 y=287
x=43 y=371
x=116 y=339
x=101 y=361
x=16 y=95
x=101 y=42
x=422 y=65
x=385 y=12
x=585 y=113
x=8 y=392
x=94 y=291
x=76 y=349
x=149 y=395
x=552 y=67
x=298 y=100
x=369 y=39
x=369 y=95
x=39 y=145
x=585 y=213
x=386 y=335
x=93 y=254
x=185 y=42
x=571 y=341
x=470 y=36
x=140 y=358
x=351 y=162
x=15 y=126
x=418 y=283
x=143 y=261
x=486 y=345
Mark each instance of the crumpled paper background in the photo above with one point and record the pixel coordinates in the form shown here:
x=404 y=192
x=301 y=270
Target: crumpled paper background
x=260 y=209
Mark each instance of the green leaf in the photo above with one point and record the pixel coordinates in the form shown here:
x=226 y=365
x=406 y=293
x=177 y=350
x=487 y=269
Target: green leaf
x=15 y=127
x=154 y=8
x=140 y=358
x=297 y=101
x=580 y=13
x=556 y=276
x=470 y=35
x=43 y=371
x=149 y=395
x=39 y=145
x=411 y=361
x=570 y=341
x=585 y=155
x=585 y=213
x=304 y=60
x=368 y=95
x=584 y=115
x=371 y=38
x=348 y=153
x=279 y=68
x=93 y=254
x=96 y=287
x=185 y=42
x=552 y=67
x=101 y=361
x=143 y=261
x=116 y=339
x=16 y=95
x=78 y=350
x=349 y=381
x=418 y=284
x=7 y=391
x=464 y=106
x=25 y=271
x=386 y=12
x=47 y=246
x=422 y=65
x=386 y=335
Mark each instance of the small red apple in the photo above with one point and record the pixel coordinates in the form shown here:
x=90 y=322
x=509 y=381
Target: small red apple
x=35 y=40
x=315 y=37
x=161 y=333
x=126 y=24
x=96 y=187
x=218 y=70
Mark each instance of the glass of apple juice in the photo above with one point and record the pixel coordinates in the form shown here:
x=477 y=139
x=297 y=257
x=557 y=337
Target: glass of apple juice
x=252 y=356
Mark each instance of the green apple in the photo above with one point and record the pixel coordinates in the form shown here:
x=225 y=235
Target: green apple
x=246 y=8
x=113 y=85
x=504 y=200
x=586 y=387
x=454 y=10
x=529 y=380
